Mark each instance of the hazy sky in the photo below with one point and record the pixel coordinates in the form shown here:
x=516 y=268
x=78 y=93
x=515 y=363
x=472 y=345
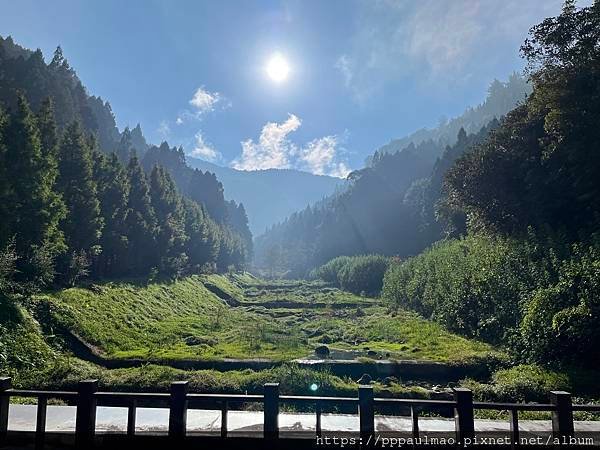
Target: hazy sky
x=360 y=72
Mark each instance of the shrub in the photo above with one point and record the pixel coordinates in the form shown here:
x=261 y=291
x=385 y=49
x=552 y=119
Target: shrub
x=330 y=270
x=523 y=383
x=357 y=274
x=364 y=274
x=540 y=297
x=472 y=285
x=560 y=321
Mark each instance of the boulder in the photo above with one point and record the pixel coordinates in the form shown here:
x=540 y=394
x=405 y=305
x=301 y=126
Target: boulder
x=322 y=350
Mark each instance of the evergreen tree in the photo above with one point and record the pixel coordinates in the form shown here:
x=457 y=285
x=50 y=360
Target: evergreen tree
x=113 y=192
x=140 y=222
x=168 y=210
x=83 y=224
x=48 y=134
x=4 y=182
x=33 y=208
x=203 y=242
x=125 y=150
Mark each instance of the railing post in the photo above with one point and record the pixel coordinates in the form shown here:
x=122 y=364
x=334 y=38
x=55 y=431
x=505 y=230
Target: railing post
x=318 y=412
x=514 y=427
x=178 y=409
x=271 y=406
x=366 y=412
x=464 y=422
x=414 y=416
x=85 y=420
x=40 y=422
x=562 y=417
x=224 y=412
x=5 y=385
x=131 y=417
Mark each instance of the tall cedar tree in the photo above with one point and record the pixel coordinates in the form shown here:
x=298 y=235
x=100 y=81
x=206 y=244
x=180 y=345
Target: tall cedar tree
x=124 y=149
x=113 y=193
x=203 y=245
x=170 y=238
x=32 y=207
x=140 y=222
x=83 y=224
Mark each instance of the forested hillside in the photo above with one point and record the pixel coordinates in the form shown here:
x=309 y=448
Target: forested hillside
x=526 y=273
x=76 y=199
x=390 y=208
x=501 y=98
x=271 y=195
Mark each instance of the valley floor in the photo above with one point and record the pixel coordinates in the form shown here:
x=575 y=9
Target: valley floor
x=142 y=336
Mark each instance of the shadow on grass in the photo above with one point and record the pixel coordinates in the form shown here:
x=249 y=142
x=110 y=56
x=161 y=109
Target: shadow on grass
x=10 y=314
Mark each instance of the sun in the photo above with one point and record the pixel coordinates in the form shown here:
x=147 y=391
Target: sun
x=277 y=68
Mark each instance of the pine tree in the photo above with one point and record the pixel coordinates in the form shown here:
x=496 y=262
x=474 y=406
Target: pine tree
x=203 y=242
x=113 y=192
x=83 y=224
x=168 y=209
x=140 y=222
x=32 y=207
x=125 y=150
x=48 y=134
x=4 y=183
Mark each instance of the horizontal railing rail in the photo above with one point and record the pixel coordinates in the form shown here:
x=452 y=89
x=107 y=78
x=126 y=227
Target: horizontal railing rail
x=87 y=398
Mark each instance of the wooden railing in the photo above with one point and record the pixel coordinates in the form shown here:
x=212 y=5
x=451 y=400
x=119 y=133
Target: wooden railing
x=87 y=398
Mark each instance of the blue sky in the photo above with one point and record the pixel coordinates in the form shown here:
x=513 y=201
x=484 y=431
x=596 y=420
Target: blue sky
x=361 y=72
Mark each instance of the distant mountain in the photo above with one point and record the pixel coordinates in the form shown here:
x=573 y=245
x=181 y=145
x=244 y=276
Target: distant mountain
x=502 y=97
x=390 y=206
x=271 y=195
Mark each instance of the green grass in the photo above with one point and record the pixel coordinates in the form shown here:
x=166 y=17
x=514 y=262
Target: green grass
x=159 y=321
x=22 y=346
x=184 y=320
x=64 y=373
x=153 y=321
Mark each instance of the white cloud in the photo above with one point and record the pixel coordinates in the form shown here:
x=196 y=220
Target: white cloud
x=274 y=150
x=204 y=100
x=204 y=150
x=320 y=157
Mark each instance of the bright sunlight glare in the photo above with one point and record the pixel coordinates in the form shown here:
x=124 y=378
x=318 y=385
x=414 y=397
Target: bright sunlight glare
x=278 y=68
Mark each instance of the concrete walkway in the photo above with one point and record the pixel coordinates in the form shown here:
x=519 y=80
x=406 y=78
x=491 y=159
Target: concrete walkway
x=155 y=420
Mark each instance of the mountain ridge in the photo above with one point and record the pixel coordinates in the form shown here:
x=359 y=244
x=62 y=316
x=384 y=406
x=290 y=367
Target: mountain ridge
x=281 y=185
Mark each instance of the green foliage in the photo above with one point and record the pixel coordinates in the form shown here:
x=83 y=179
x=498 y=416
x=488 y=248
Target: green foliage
x=540 y=168
x=73 y=212
x=83 y=224
x=186 y=319
x=522 y=383
x=170 y=238
x=358 y=274
x=113 y=194
x=538 y=296
x=22 y=347
x=560 y=320
x=471 y=285
x=330 y=270
x=30 y=207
